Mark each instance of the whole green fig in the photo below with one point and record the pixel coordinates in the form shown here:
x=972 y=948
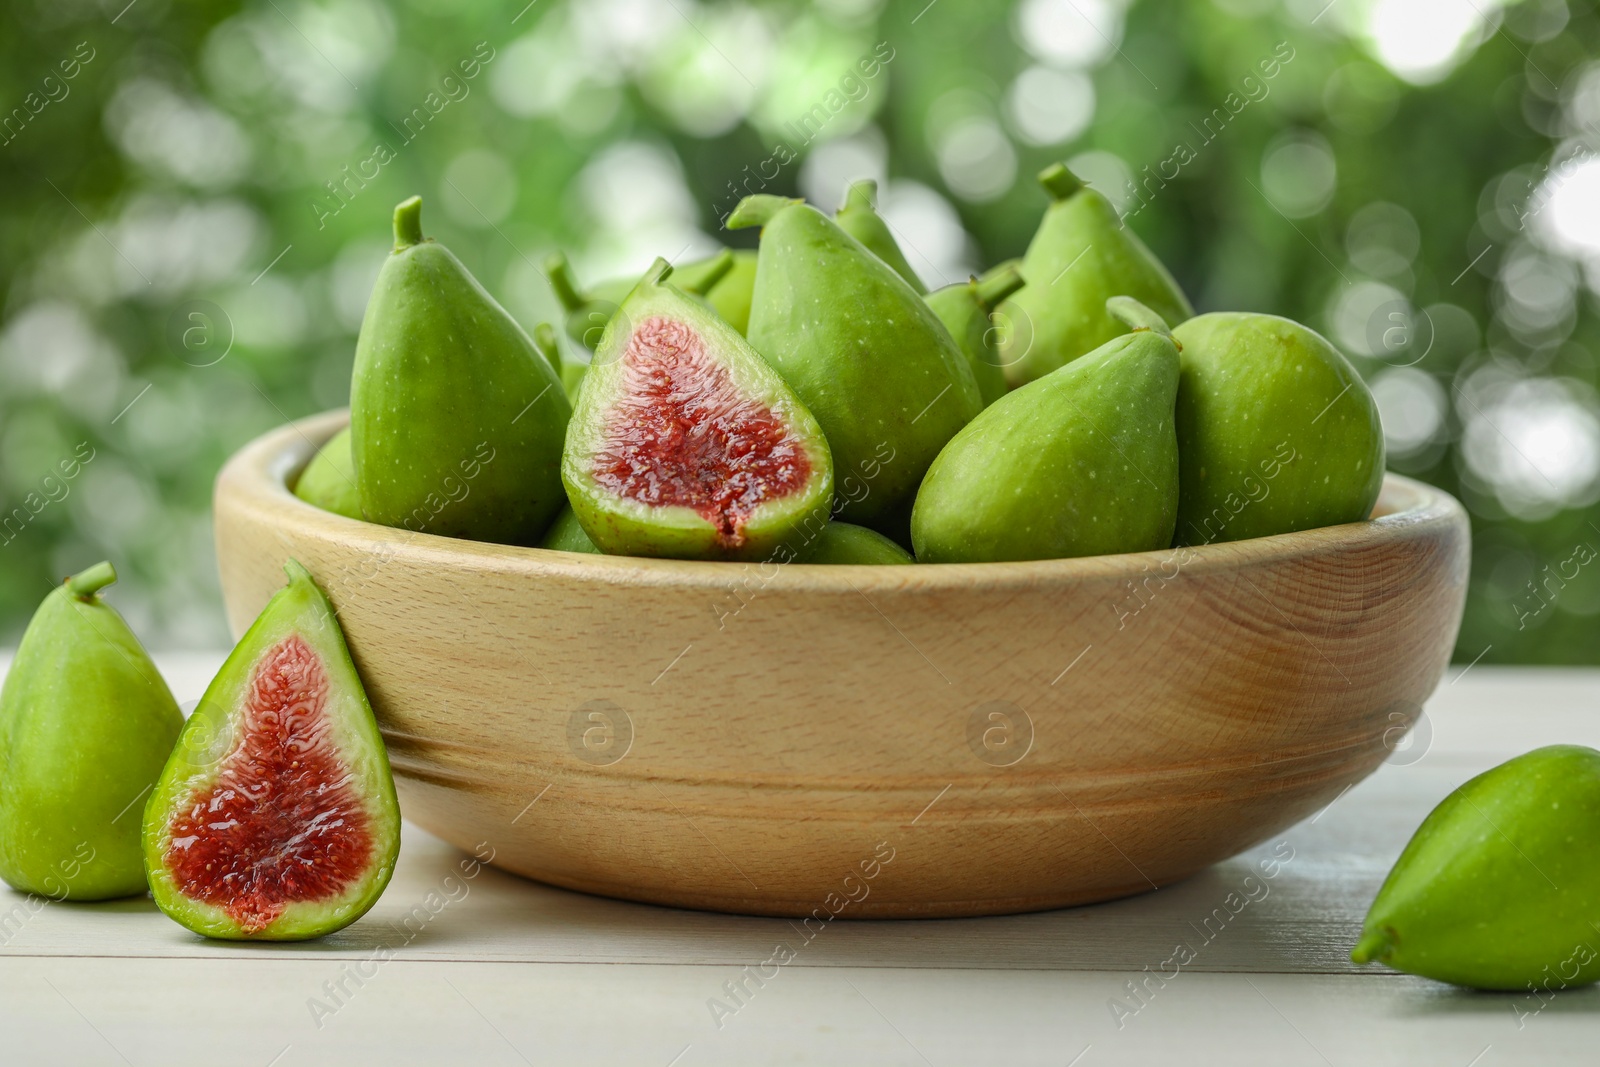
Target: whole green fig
x=329 y=480
x=1081 y=255
x=456 y=420
x=842 y=543
x=858 y=217
x=965 y=309
x=588 y=311
x=730 y=295
x=566 y=534
x=1500 y=886
x=1276 y=431
x=86 y=724
x=1081 y=462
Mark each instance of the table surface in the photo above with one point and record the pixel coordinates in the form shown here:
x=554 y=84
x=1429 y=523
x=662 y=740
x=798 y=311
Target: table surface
x=493 y=969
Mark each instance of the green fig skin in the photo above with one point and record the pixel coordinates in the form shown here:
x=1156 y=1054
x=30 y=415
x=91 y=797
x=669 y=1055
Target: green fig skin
x=1082 y=462
x=329 y=480
x=608 y=429
x=1276 y=430
x=86 y=724
x=215 y=743
x=843 y=543
x=863 y=352
x=1081 y=255
x=858 y=217
x=566 y=535
x=965 y=310
x=457 y=421
x=730 y=296
x=1500 y=886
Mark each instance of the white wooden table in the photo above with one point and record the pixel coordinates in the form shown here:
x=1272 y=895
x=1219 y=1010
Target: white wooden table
x=496 y=970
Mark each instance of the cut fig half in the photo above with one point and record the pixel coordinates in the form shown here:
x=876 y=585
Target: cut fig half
x=686 y=444
x=275 y=818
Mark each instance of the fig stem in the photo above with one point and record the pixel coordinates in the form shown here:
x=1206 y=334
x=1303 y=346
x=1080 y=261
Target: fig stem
x=709 y=275
x=992 y=290
x=757 y=210
x=408 y=223
x=659 y=272
x=1136 y=316
x=1372 y=946
x=1059 y=182
x=87 y=583
x=559 y=271
x=862 y=194
x=297 y=572
x=544 y=339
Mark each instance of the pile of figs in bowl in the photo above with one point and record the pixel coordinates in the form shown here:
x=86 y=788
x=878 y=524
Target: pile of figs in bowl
x=774 y=583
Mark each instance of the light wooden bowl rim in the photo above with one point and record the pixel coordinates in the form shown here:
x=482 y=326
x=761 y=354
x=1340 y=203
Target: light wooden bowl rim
x=263 y=469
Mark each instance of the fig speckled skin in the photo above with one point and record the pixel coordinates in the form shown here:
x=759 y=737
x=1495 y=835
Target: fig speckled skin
x=1500 y=886
x=864 y=353
x=86 y=724
x=457 y=421
x=1276 y=430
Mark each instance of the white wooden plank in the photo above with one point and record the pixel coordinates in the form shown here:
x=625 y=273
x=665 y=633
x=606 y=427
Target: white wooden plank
x=1302 y=920
x=255 y=1012
x=509 y=971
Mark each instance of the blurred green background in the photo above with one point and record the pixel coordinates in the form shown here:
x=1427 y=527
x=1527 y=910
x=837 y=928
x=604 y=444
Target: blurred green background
x=194 y=200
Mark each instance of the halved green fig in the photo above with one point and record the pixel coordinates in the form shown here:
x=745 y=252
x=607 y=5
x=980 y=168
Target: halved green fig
x=276 y=817
x=329 y=480
x=86 y=723
x=686 y=444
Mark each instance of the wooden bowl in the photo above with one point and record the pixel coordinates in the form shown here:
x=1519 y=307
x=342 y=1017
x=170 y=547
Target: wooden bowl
x=959 y=739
